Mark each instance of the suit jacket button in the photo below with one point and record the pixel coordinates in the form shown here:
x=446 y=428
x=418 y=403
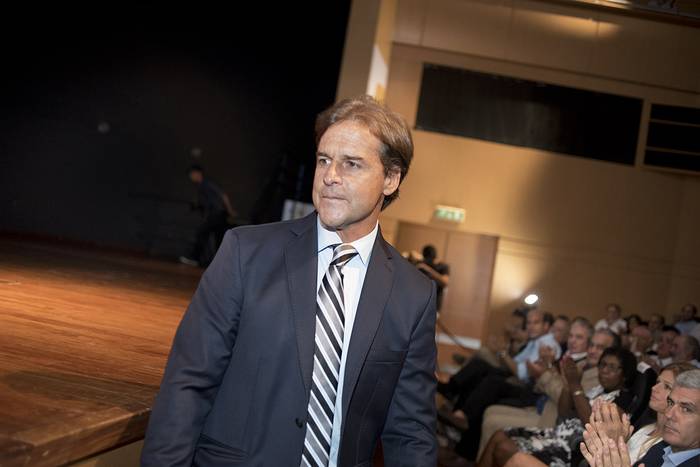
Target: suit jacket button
x=299 y=422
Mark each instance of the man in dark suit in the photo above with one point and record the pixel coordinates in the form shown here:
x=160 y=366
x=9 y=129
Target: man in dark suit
x=681 y=433
x=307 y=341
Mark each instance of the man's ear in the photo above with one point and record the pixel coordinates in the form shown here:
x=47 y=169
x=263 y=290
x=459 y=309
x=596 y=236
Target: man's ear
x=392 y=181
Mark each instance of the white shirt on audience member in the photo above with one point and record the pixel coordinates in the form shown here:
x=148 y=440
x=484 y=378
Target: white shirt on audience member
x=531 y=353
x=617 y=327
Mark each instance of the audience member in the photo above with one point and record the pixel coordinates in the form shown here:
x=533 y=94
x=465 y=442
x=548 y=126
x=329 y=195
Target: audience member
x=632 y=321
x=695 y=332
x=663 y=355
x=656 y=324
x=560 y=330
x=612 y=320
x=687 y=319
x=686 y=349
x=641 y=341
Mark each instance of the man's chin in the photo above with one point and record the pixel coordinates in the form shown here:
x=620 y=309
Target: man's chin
x=330 y=223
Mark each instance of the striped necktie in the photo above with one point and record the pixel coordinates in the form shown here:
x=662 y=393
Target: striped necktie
x=330 y=328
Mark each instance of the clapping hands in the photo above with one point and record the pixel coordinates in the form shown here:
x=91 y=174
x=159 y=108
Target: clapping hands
x=605 y=437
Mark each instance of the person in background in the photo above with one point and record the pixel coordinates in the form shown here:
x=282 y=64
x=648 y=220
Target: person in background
x=686 y=349
x=437 y=271
x=663 y=355
x=560 y=330
x=641 y=341
x=687 y=319
x=216 y=209
x=656 y=324
x=612 y=320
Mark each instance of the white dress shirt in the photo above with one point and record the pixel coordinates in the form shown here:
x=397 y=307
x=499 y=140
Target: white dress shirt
x=531 y=353
x=353 y=278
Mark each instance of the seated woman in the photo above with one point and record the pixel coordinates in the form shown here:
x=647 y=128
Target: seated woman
x=646 y=436
x=553 y=446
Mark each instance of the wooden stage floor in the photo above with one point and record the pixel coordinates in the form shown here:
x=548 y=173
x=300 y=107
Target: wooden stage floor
x=84 y=336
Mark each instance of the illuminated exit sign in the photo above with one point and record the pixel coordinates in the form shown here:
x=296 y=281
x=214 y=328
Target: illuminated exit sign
x=449 y=213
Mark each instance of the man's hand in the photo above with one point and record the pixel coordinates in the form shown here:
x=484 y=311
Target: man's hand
x=570 y=372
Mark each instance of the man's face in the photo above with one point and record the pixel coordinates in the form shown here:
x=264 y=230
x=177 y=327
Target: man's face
x=560 y=329
x=682 y=427
x=665 y=344
x=655 y=323
x=578 y=339
x=613 y=313
x=599 y=343
x=350 y=182
x=643 y=338
x=678 y=351
x=196 y=176
x=686 y=313
x=536 y=325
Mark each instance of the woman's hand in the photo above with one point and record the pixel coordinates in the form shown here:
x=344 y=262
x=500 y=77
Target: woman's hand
x=606 y=418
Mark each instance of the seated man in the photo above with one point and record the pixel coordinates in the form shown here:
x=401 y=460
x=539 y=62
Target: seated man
x=687 y=319
x=550 y=384
x=500 y=362
x=612 y=320
x=479 y=384
x=686 y=348
x=560 y=330
x=663 y=355
x=641 y=341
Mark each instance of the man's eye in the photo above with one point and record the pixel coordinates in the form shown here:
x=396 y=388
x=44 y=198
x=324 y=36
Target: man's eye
x=352 y=164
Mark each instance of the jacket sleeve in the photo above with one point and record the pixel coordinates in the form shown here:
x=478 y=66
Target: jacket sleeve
x=409 y=438
x=198 y=359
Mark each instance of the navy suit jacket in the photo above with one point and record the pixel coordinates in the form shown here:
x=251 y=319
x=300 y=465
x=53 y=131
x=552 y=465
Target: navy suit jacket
x=654 y=457
x=237 y=382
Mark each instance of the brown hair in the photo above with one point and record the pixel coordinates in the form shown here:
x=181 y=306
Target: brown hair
x=678 y=368
x=387 y=126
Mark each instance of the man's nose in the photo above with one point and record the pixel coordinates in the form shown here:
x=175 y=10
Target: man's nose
x=670 y=412
x=331 y=174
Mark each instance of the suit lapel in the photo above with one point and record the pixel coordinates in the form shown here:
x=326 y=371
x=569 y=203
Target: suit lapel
x=375 y=293
x=654 y=455
x=301 y=261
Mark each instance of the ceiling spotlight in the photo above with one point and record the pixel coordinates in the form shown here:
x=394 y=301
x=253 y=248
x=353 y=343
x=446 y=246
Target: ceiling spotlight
x=531 y=299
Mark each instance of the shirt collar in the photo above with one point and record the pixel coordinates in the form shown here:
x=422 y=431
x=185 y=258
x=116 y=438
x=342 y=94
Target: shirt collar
x=363 y=245
x=577 y=357
x=678 y=458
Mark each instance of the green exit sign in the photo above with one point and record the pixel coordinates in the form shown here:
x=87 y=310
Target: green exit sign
x=449 y=213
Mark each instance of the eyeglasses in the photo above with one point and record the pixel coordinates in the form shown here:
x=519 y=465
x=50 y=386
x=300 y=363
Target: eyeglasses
x=608 y=366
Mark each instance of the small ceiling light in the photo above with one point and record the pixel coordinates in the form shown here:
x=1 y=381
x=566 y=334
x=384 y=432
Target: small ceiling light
x=531 y=299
